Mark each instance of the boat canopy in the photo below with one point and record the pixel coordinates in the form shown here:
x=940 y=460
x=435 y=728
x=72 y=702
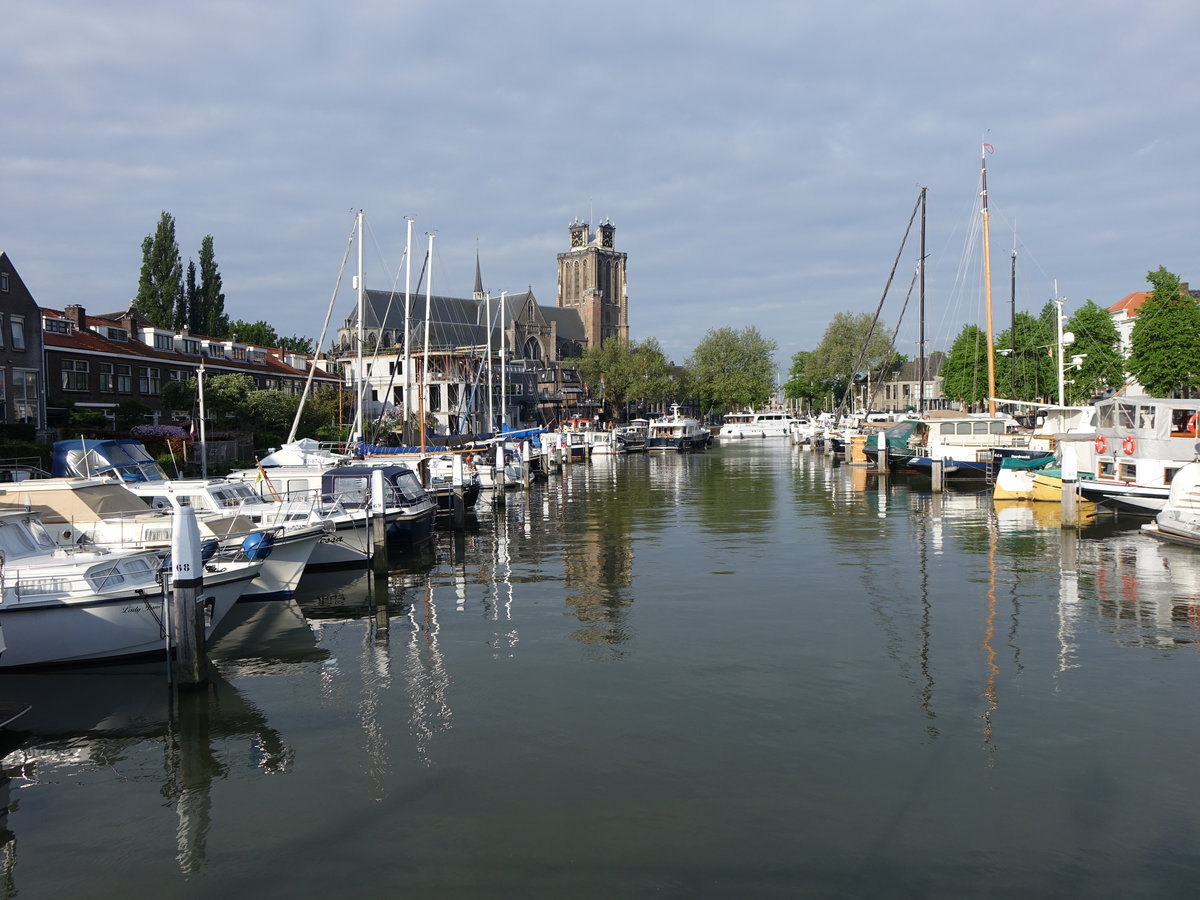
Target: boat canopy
x=117 y=458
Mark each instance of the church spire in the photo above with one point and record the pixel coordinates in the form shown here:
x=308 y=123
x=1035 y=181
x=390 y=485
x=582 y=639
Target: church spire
x=478 y=292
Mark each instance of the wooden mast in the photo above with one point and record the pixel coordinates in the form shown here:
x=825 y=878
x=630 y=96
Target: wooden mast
x=987 y=285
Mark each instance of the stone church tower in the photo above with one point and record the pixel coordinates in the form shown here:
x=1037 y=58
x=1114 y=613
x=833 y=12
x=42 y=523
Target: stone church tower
x=591 y=279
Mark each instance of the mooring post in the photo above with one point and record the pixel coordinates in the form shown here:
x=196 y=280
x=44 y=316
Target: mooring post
x=526 y=447
x=379 y=557
x=458 y=503
x=936 y=475
x=881 y=459
x=1070 y=487
x=187 y=609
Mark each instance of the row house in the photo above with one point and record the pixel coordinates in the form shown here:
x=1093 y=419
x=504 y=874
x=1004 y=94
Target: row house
x=21 y=378
x=101 y=361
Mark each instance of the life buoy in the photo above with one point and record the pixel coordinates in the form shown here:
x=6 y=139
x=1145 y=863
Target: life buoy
x=1191 y=423
x=1129 y=445
x=1101 y=444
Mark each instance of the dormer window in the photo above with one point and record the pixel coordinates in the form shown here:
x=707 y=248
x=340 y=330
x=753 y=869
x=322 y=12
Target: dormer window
x=164 y=342
x=57 y=326
x=191 y=345
x=116 y=334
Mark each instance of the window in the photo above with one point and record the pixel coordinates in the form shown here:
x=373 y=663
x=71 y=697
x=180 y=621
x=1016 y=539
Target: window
x=16 y=325
x=191 y=345
x=239 y=353
x=75 y=375
x=116 y=334
x=57 y=326
x=3 y=403
x=106 y=377
x=175 y=375
x=216 y=351
x=124 y=379
x=25 y=397
x=4 y=282
x=149 y=381
x=163 y=342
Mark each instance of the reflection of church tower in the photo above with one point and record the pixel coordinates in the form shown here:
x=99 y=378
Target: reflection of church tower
x=591 y=279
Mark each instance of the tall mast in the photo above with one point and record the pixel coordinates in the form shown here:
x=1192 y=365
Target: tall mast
x=987 y=285
x=503 y=365
x=1012 y=304
x=922 y=362
x=425 y=363
x=491 y=422
x=407 y=428
x=356 y=430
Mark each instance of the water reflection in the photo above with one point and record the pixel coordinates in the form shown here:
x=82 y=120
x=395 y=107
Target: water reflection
x=118 y=723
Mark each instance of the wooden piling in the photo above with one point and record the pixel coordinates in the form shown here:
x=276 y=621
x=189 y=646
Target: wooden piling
x=190 y=661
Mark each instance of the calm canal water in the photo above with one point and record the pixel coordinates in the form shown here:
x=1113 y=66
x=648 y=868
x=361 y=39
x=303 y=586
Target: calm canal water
x=743 y=673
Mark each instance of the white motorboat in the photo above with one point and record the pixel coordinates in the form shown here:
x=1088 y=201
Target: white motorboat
x=676 y=432
x=62 y=606
x=1141 y=444
x=1178 y=522
x=756 y=424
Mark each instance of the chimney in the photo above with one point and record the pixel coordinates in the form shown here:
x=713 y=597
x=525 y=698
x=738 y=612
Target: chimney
x=77 y=316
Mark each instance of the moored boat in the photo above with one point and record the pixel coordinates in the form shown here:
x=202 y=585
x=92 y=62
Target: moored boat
x=677 y=432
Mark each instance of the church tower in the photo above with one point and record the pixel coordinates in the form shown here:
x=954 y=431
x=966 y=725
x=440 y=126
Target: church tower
x=591 y=279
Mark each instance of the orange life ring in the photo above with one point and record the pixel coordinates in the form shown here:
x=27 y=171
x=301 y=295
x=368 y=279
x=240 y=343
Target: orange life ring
x=1101 y=444
x=1191 y=423
x=1129 y=445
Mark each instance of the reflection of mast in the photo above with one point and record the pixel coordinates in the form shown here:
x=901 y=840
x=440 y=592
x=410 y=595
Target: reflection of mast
x=926 y=616
x=989 y=691
x=426 y=676
x=376 y=667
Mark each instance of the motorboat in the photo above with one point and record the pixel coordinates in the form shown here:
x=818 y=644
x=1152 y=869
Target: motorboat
x=1140 y=445
x=1178 y=522
x=97 y=513
x=60 y=606
x=631 y=437
x=756 y=424
x=676 y=432
x=968 y=446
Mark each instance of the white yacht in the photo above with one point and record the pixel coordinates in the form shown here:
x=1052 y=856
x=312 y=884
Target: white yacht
x=756 y=424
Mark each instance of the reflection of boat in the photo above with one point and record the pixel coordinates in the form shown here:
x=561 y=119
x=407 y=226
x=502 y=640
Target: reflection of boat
x=273 y=630
x=68 y=606
x=1141 y=443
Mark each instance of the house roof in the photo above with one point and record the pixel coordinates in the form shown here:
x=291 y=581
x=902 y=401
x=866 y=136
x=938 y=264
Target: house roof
x=1131 y=303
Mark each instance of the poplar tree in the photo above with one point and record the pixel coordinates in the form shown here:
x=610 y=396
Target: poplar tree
x=160 y=284
x=211 y=320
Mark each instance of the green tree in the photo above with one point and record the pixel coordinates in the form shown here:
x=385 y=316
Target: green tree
x=160 y=284
x=1025 y=365
x=259 y=333
x=964 y=370
x=185 y=309
x=732 y=368
x=1097 y=347
x=839 y=359
x=800 y=385
x=295 y=343
x=226 y=398
x=1165 y=344
x=210 y=319
x=619 y=371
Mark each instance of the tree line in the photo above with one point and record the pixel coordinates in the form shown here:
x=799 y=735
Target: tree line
x=171 y=297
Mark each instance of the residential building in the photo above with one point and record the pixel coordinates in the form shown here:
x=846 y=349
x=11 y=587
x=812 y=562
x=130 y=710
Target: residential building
x=22 y=399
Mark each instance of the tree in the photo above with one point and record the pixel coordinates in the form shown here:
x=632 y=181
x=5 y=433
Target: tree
x=800 y=385
x=160 y=284
x=732 y=369
x=619 y=371
x=1025 y=365
x=964 y=370
x=259 y=333
x=839 y=358
x=1097 y=347
x=185 y=311
x=210 y=319
x=1165 y=344
x=226 y=397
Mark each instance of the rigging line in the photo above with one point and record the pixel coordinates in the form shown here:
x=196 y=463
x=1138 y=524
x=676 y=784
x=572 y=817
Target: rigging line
x=312 y=369
x=892 y=274
x=883 y=366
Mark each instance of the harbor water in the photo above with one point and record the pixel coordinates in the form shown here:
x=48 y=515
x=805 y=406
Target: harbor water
x=747 y=672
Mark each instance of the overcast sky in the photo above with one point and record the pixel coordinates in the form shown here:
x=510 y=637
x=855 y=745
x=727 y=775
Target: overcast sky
x=759 y=160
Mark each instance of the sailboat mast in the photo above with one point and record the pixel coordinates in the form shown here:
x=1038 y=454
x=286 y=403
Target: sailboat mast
x=1012 y=305
x=407 y=406
x=356 y=431
x=425 y=363
x=491 y=422
x=503 y=365
x=921 y=364
x=987 y=286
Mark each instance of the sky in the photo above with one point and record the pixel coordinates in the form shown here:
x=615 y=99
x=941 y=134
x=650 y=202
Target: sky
x=759 y=160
